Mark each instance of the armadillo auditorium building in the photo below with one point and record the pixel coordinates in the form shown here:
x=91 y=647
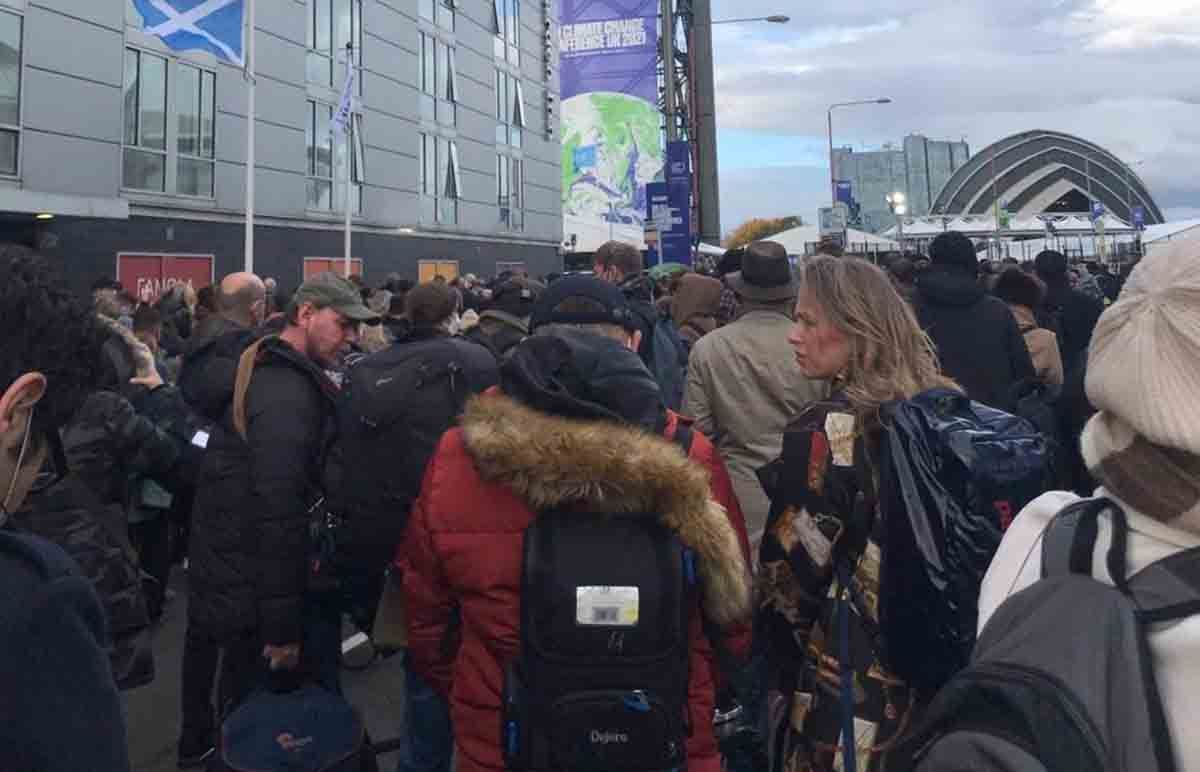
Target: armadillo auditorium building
x=1045 y=173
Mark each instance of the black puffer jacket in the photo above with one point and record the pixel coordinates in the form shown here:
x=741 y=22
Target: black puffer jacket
x=1073 y=316
x=390 y=431
x=250 y=544
x=210 y=363
x=977 y=338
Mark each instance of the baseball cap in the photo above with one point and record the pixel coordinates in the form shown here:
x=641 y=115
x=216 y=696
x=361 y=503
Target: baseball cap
x=328 y=290
x=604 y=295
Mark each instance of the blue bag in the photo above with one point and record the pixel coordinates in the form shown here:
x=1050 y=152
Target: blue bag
x=310 y=729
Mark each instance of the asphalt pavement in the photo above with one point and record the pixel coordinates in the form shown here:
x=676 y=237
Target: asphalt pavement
x=152 y=712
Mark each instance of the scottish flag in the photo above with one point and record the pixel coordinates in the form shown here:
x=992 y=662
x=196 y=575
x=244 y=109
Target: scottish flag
x=214 y=26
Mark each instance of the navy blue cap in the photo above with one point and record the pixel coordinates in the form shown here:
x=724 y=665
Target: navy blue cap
x=607 y=296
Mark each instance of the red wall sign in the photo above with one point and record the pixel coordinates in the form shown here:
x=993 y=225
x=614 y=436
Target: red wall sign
x=316 y=265
x=147 y=276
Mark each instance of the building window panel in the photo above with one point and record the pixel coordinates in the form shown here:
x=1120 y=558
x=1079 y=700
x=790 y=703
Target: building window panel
x=10 y=71
x=445 y=14
x=333 y=24
x=326 y=189
x=170 y=126
x=152 y=102
x=441 y=183
x=131 y=96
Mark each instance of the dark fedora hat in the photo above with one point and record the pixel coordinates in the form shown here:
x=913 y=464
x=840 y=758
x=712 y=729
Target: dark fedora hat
x=766 y=274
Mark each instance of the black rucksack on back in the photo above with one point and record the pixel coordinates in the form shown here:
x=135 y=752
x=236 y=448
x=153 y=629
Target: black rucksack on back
x=399 y=403
x=1062 y=677
x=956 y=473
x=602 y=679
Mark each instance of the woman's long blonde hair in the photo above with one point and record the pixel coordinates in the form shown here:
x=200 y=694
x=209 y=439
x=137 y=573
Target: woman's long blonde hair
x=891 y=357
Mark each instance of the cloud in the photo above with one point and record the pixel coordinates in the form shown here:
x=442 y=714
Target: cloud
x=1118 y=72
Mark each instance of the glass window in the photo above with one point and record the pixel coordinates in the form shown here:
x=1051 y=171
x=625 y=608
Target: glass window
x=428 y=64
x=152 y=102
x=194 y=110
x=131 y=96
x=445 y=14
x=144 y=171
x=332 y=25
x=8 y=152
x=440 y=181
x=10 y=69
x=149 y=164
x=187 y=110
x=208 y=109
x=326 y=189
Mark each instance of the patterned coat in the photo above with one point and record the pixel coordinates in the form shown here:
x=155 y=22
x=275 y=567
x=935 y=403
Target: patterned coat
x=823 y=513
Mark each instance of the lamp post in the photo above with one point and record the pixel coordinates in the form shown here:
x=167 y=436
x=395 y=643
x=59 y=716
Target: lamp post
x=898 y=203
x=704 y=119
x=829 y=116
x=772 y=19
x=1137 y=236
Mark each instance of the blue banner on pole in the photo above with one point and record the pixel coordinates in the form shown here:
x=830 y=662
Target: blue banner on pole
x=1139 y=217
x=845 y=192
x=214 y=26
x=1097 y=210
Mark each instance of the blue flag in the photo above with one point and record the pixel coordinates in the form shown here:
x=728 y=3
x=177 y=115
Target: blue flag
x=214 y=26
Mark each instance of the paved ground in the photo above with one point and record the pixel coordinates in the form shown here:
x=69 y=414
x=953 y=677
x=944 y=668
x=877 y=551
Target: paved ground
x=152 y=712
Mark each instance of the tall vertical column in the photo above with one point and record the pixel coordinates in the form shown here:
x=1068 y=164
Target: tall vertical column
x=705 y=122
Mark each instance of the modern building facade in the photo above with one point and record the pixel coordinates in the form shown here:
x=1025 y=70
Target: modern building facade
x=138 y=152
x=1046 y=172
x=918 y=169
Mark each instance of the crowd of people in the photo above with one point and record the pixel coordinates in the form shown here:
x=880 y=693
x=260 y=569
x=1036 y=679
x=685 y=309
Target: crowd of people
x=620 y=519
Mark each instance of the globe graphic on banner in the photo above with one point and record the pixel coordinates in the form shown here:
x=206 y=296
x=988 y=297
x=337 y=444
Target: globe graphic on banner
x=612 y=147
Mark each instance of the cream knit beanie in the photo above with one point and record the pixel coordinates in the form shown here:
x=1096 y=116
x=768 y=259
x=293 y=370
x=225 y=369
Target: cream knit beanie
x=1144 y=363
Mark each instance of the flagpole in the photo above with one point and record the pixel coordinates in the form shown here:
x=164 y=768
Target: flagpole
x=250 y=120
x=346 y=133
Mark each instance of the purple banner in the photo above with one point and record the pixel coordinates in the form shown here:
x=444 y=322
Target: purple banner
x=609 y=46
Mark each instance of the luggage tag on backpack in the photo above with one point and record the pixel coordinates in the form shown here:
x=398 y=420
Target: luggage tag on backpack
x=606 y=606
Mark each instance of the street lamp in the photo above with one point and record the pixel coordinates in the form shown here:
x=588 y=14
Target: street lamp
x=898 y=203
x=777 y=18
x=829 y=116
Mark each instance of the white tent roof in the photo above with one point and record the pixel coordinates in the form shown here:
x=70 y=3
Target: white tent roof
x=1171 y=230
x=796 y=240
x=984 y=225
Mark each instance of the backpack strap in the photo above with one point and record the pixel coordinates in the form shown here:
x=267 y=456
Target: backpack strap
x=241 y=384
x=1168 y=589
x=1070 y=540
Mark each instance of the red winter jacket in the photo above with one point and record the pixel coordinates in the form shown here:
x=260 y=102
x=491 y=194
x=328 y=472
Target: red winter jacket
x=464 y=541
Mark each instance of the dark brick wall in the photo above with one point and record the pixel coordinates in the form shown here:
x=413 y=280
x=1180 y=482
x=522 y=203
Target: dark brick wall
x=87 y=248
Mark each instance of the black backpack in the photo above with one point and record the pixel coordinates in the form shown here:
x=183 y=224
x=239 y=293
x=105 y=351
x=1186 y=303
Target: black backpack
x=956 y=474
x=399 y=402
x=1062 y=677
x=601 y=683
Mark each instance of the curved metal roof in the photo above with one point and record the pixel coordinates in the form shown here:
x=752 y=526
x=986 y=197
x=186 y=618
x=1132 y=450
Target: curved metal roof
x=1032 y=170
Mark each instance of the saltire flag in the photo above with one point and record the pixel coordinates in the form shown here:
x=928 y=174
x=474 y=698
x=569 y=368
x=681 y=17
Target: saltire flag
x=214 y=26
x=341 y=117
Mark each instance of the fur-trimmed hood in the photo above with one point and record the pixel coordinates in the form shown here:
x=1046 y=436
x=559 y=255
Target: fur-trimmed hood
x=604 y=466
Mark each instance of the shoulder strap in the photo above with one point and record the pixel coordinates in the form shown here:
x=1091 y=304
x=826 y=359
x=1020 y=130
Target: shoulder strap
x=1069 y=541
x=1169 y=588
x=241 y=384
x=684 y=435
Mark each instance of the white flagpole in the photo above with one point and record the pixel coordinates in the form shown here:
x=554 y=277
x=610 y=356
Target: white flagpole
x=347 y=130
x=250 y=119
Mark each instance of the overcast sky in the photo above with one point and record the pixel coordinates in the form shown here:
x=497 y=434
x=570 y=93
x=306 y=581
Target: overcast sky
x=1122 y=73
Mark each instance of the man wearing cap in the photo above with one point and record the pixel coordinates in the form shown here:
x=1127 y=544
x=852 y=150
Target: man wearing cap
x=743 y=385
x=577 y=425
x=259 y=484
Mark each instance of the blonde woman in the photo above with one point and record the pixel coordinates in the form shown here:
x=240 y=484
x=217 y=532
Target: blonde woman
x=853 y=329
